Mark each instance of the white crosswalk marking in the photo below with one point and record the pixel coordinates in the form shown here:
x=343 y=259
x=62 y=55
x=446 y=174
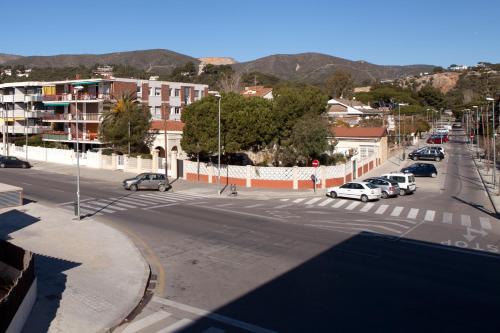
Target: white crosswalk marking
x=429 y=215
x=313 y=200
x=157 y=199
x=485 y=223
x=283 y=206
x=396 y=211
x=352 y=205
x=176 y=327
x=299 y=200
x=412 y=214
x=143 y=200
x=338 y=204
x=94 y=209
x=213 y=330
x=254 y=206
x=325 y=202
x=447 y=218
x=465 y=219
x=286 y=199
x=381 y=209
x=105 y=205
x=140 y=324
x=130 y=201
x=115 y=202
x=367 y=207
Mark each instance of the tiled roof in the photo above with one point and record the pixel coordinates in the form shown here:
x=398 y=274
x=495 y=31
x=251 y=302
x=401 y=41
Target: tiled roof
x=172 y=125
x=260 y=91
x=358 y=132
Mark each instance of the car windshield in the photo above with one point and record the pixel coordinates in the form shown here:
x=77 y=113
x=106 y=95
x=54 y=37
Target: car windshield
x=370 y=185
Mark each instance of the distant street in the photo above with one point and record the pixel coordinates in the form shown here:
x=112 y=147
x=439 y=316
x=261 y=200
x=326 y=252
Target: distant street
x=426 y=262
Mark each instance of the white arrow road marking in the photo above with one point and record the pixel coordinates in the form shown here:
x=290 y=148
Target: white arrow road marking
x=396 y=211
x=381 y=209
x=447 y=218
x=429 y=215
x=352 y=205
x=466 y=220
x=485 y=223
x=339 y=203
x=413 y=213
x=367 y=207
x=138 y=325
x=299 y=200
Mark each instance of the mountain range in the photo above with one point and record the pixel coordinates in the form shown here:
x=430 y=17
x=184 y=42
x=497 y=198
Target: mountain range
x=303 y=67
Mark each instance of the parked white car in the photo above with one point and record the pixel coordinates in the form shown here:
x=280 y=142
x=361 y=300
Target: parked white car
x=406 y=181
x=355 y=190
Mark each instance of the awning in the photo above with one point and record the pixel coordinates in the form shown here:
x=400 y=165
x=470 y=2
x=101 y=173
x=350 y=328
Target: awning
x=10 y=119
x=84 y=83
x=56 y=103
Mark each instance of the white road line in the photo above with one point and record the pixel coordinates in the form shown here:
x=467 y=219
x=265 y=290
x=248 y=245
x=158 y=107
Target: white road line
x=381 y=209
x=370 y=225
x=254 y=206
x=447 y=218
x=339 y=203
x=173 y=195
x=160 y=206
x=429 y=215
x=105 y=205
x=353 y=205
x=412 y=214
x=72 y=202
x=121 y=204
x=213 y=330
x=131 y=201
x=213 y=316
x=177 y=326
x=299 y=200
x=159 y=199
x=367 y=207
x=396 y=211
x=325 y=202
x=313 y=200
x=466 y=222
x=485 y=223
x=95 y=209
x=283 y=206
x=286 y=199
x=224 y=205
x=140 y=324
x=148 y=200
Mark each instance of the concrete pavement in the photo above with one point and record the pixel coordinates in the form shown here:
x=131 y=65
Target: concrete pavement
x=90 y=276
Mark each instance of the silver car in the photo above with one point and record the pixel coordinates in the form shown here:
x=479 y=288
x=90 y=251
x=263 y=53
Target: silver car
x=388 y=187
x=147 y=181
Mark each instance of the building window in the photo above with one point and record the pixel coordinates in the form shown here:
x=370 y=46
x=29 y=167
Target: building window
x=177 y=110
x=156 y=112
x=138 y=90
x=197 y=94
x=187 y=90
x=157 y=91
x=177 y=92
x=170 y=92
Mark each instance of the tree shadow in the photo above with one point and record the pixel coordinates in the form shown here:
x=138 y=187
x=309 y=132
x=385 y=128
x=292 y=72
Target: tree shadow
x=370 y=283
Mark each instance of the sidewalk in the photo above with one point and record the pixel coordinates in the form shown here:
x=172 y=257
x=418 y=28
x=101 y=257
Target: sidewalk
x=486 y=174
x=90 y=276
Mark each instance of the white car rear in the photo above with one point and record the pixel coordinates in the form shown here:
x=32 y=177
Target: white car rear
x=406 y=181
x=355 y=190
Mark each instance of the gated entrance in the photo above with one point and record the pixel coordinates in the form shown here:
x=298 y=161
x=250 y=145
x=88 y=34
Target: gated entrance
x=180 y=168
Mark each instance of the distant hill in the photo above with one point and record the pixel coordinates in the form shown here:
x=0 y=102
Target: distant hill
x=147 y=60
x=316 y=67
x=8 y=57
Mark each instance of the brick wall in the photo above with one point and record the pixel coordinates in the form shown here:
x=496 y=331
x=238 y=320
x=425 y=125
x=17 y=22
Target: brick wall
x=145 y=93
x=191 y=97
x=118 y=89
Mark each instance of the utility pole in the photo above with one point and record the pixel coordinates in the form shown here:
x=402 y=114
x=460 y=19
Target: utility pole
x=494 y=134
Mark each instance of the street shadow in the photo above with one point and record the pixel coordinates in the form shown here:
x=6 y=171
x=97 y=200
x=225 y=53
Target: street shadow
x=479 y=207
x=51 y=283
x=14 y=220
x=369 y=283
x=28 y=201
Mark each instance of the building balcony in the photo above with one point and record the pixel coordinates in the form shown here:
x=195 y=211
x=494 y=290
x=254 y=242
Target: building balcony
x=60 y=136
x=20 y=129
x=71 y=117
x=70 y=98
x=20 y=114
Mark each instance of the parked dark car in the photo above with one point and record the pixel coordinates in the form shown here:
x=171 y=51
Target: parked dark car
x=147 y=181
x=430 y=153
x=13 y=162
x=421 y=170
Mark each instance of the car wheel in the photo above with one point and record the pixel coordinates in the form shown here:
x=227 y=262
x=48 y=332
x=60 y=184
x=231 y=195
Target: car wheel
x=133 y=187
x=415 y=158
x=385 y=195
x=24 y=166
x=364 y=198
x=162 y=188
x=402 y=192
x=433 y=175
x=2 y=165
x=333 y=194
x=437 y=159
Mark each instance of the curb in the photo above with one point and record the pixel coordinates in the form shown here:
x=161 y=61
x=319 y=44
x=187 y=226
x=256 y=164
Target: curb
x=485 y=187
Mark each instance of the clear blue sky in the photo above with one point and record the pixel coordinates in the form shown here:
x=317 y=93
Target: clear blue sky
x=398 y=32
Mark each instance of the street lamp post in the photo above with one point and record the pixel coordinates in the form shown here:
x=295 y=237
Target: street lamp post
x=26 y=125
x=78 y=215
x=219 y=97
x=476 y=130
x=494 y=140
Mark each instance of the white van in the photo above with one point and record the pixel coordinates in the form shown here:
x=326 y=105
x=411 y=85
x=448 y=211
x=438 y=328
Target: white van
x=406 y=181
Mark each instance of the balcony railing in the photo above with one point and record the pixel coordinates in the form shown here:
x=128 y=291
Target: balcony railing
x=72 y=117
x=71 y=97
x=62 y=136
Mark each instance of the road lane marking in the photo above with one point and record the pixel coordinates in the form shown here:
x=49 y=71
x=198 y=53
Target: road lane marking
x=485 y=223
x=283 y=206
x=158 y=199
x=212 y=315
x=147 y=200
x=224 y=205
x=162 y=205
x=313 y=200
x=447 y=218
x=129 y=201
x=325 y=202
x=72 y=202
x=381 y=209
x=339 y=203
x=105 y=205
x=286 y=199
x=413 y=213
x=253 y=206
x=429 y=215
x=466 y=222
x=367 y=224
x=352 y=205
x=396 y=211
x=140 y=324
x=367 y=207
x=94 y=209
x=299 y=200
x=177 y=326
x=115 y=202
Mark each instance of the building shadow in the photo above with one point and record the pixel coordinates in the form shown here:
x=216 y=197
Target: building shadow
x=14 y=220
x=370 y=283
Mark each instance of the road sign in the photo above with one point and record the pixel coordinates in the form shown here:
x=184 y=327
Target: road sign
x=315 y=163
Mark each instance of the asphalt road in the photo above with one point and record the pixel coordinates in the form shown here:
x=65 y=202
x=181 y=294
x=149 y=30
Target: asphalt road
x=424 y=262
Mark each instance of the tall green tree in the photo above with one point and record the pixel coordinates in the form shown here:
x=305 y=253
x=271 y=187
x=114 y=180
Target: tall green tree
x=430 y=96
x=340 y=84
x=116 y=120
x=309 y=138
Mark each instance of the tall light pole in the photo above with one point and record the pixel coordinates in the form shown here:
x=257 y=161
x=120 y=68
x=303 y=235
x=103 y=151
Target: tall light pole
x=219 y=97
x=78 y=216
x=26 y=98
x=476 y=136
x=494 y=140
